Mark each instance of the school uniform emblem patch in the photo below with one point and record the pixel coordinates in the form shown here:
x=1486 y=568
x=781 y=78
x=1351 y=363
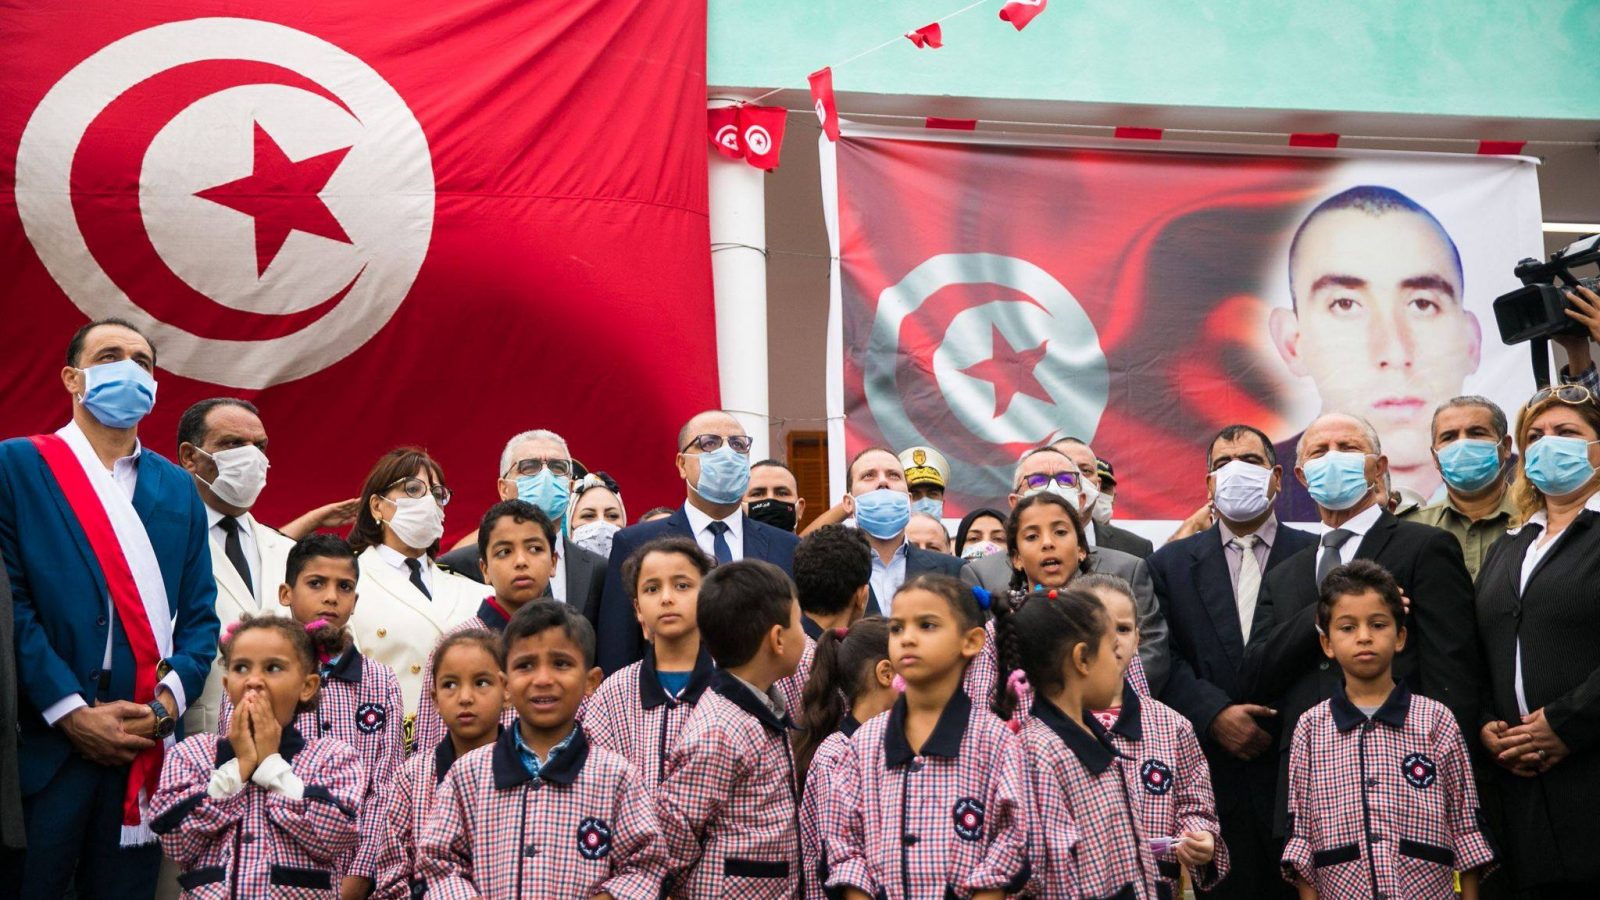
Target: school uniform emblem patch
x=1156 y=776
x=594 y=838
x=371 y=717
x=968 y=816
x=1419 y=771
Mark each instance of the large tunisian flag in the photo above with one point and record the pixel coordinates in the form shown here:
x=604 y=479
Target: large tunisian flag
x=439 y=224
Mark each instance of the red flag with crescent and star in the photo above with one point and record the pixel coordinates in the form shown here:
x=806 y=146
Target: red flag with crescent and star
x=382 y=229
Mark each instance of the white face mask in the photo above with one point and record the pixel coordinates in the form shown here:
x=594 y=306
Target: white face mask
x=1102 y=509
x=595 y=537
x=241 y=475
x=1088 y=496
x=417 y=522
x=1241 y=490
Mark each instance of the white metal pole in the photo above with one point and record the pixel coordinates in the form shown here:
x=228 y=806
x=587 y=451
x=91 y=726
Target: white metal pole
x=739 y=279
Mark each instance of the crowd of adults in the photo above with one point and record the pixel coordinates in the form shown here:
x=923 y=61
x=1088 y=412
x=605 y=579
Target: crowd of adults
x=120 y=568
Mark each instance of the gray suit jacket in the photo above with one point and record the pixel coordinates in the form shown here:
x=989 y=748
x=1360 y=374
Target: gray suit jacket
x=586 y=574
x=994 y=574
x=1110 y=537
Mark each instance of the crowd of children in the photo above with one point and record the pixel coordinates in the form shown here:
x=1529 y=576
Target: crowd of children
x=774 y=743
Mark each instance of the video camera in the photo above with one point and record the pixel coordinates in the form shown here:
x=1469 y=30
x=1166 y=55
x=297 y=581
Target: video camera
x=1537 y=311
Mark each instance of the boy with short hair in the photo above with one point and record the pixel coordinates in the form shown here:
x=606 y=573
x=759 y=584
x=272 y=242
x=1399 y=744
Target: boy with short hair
x=727 y=803
x=1381 y=797
x=541 y=812
x=833 y=575
x=517 y=556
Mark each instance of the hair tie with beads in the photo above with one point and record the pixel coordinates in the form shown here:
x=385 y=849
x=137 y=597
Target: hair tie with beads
x=840 y=634
x=983 y=597
x=312 y=627
x=229 y=629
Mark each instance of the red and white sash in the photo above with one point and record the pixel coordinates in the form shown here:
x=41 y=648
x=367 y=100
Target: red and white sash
x=118 y=540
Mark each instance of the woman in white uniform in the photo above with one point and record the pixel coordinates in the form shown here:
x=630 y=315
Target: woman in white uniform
x=406 y=603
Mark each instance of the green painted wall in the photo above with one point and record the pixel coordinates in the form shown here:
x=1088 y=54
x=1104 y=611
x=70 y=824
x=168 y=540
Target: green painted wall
x=1516 y=58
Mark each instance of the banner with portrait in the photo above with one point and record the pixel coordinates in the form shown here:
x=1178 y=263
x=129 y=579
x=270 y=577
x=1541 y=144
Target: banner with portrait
x=993 y=295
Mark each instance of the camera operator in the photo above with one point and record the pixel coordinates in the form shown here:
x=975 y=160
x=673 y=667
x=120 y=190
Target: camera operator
x=1580 y=369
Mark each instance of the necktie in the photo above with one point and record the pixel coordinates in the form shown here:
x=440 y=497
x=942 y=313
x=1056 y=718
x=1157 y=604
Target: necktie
x=234 y=550
x=1249 y=582
x=416 y=577
x=1331 y=557
x=719 y=544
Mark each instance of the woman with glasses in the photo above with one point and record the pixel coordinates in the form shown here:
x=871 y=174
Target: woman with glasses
x=1538 y=604
x=406 y=602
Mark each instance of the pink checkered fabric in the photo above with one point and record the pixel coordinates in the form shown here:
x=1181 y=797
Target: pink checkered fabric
x=632 y=715
x=818 y=809
x=429 y=728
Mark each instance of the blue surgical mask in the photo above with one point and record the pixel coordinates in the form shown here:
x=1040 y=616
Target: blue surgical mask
x=1469 y=464
x=547 y=491
x=118 y=394
x=724 y=475
x=883 y=513
x=1558 y=465
x=1337 y=480
x=928 y=505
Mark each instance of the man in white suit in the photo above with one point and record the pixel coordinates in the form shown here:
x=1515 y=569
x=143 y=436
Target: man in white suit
x=223 y=443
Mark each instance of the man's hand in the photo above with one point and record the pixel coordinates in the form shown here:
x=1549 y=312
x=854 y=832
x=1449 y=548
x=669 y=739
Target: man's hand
x=107 y=733
x=354 y=887
x=1543 y=748
x=1585 y=311
x=332 y=515
x=145 y=722
x=1508 y=749
x=1236 y=730
x=1198 y=521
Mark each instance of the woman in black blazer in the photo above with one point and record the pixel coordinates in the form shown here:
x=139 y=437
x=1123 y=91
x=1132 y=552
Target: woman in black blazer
x=1539 y=592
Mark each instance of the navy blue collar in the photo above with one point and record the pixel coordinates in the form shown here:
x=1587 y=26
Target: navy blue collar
x=650 y=693
x=564 y=768
x=444 y=756
x=1092 y=748
x=848 y=725
x=289 y=744
x=740 y=695
x=812 y=629
x=491 y=616
x=947 y=733
x=347 y=667
x=1393 y=711
x=1129 y=723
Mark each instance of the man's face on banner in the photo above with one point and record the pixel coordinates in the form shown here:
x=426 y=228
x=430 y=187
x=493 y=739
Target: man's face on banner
x=1379 y=325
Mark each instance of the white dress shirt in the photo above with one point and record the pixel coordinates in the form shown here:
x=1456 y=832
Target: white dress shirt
x=1537 y=551
x=1088 y=531
x=700 y=526
x=1358 y=526
x=887 y=577
x=247 y=542
x=558 y=577
x=397 y=559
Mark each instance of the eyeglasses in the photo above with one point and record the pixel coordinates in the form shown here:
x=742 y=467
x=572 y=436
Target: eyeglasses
x=1570 y=394
x=711 y=443
x=1039 y=480
x=534 y=466
x=416 y=489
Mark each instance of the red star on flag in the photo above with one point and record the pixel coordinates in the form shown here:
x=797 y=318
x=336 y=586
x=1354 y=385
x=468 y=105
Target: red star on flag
x=1011 y=372
x=282 y=196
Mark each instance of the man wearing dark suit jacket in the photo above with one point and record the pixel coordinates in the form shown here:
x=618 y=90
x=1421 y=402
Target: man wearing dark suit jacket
x=895 y=560
x=1342 y=465
x=994 y=572
x=1208 y=589
x=714 y=461
x=580 y=575
x=1105 y=534
x=11 y=832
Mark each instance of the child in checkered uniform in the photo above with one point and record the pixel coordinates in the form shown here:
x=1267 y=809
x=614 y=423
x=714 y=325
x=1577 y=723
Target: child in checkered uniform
x=516 y=554
x=853 y=681
x=360 y=701
x=933 y=793
x=640 y=709
x=264 y=811
x=467 y=684
x=1089 y=839
x=1381 y=796
x=541 y=812
x=1171 y=778
x=728 y=799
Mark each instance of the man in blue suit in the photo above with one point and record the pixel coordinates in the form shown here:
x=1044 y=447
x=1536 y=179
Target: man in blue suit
x=80 y=724
x=1207 y=587
x=880 y=500
x=714 y=461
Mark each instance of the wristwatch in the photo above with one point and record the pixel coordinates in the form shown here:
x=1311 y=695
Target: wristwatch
x=165 y=724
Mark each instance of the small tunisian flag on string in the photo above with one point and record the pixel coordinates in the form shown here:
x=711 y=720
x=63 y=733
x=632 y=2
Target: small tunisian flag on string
x=761 y=134
x=722 y=127
x=1020 y=12
x=822 y=98
x=927 y=36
